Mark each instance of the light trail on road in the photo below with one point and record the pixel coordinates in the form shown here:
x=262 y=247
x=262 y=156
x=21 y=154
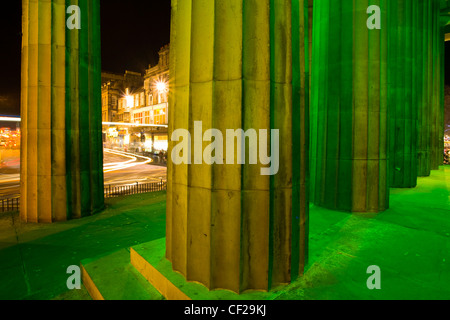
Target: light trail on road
x=114 y=166
x=133 y=169
x=107 y=167
x=110 y=167
x=8 y=178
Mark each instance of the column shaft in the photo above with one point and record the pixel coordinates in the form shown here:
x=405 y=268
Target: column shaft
x=403 y=98
x=62 y=165
x=349 y=164
x=429 y=87
x=239 y=64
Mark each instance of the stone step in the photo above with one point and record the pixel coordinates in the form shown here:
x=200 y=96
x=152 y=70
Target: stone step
x=149 y=259
x=112 y=277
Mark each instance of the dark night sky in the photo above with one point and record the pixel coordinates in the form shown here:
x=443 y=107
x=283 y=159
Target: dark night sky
x=10 y=35
x=132 y=33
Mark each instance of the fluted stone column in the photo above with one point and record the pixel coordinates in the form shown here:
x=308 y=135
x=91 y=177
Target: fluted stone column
x=61 y=156
x=403 y=79
x=349 y=114
x=430 y=90
x=437 y=110
x=239 y=64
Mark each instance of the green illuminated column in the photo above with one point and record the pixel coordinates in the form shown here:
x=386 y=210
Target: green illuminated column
x=429 y=87
x=239 y=64
x=349 y=116
x=437 y=112
x=61 y=156
x=403 y=75
x=424 y=57
x=442 y=90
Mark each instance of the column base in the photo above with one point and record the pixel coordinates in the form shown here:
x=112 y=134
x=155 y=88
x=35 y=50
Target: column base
x=120 y=275
x=149 y=259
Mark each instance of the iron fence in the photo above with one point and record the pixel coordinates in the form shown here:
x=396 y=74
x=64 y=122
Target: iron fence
x=10 y=205
x=111 y=191
x=125 y=190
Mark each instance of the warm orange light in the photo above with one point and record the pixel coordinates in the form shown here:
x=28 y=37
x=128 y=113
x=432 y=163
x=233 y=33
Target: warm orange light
x=161 y=86
x=130 y=101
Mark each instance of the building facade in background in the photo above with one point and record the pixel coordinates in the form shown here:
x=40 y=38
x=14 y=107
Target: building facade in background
x=113 y=88
x=135 y=108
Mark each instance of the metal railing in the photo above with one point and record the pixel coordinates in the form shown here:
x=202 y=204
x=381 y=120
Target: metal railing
x=10 y=205
x=125 y=190
x=111 y=191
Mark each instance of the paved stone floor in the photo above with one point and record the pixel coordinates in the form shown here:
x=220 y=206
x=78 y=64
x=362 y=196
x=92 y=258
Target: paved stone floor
x=34 y=258
x=409 y=242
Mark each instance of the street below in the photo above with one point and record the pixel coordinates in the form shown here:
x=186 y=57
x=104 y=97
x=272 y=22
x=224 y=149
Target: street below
x=120 y=169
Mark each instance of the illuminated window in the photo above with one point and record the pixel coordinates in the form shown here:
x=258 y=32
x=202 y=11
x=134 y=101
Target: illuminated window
x=138 y=118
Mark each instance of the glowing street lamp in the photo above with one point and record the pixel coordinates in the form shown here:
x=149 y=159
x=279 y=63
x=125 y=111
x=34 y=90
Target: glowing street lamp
x=161 y=86
x=129 y=99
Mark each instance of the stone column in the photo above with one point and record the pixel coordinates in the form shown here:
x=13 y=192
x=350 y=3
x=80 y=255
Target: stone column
x=349 y=110
x=239 y=64
x=403 y=75
x=61 y=156
x=437 y=110
x=430 y=127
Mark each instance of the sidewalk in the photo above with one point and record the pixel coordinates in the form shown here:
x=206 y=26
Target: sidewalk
x=409 y=242
x=34 y=258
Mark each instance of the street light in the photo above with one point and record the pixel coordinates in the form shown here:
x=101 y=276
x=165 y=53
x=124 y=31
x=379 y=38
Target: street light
x=129 y=99
x=161 y=86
